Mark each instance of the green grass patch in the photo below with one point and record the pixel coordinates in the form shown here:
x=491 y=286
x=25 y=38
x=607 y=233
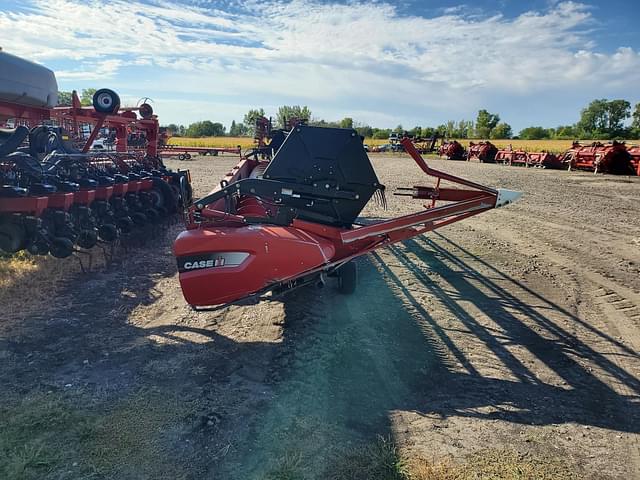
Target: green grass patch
x=49 y=436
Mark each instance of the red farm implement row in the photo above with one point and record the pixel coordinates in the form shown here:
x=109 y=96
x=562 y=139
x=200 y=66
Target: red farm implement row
x=528 y=159
x=55 y=193
x=612 y=157
x=634 y=151
x=483 y=152
x=274 y=225
x=453 y=150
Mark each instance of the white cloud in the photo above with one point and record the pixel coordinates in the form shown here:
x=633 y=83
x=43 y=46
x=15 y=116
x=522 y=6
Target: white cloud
x=105 y=69
x=331 y=55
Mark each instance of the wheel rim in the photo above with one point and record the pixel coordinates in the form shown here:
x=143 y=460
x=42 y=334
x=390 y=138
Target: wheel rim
x=105 y=100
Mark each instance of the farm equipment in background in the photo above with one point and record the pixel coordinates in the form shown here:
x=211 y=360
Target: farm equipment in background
x=184 y=152
x=426 y=144
x=268 y=139
x=272 y=226
x=611 y=158
x=56 y=194
x=544 y=160
x=634 y=151
x=483 y=152
x=453 y=150
x=512 y=157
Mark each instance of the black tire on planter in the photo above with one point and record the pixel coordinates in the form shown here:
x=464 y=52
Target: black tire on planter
x=108 y=232
x=106 y=101
x=12 y=237
x=181 y=156
x=87 y=239
x=61 y=247
x=146 y=111
x=187 y=156
x=124 y=224
x=347 y=278
x=169 y=199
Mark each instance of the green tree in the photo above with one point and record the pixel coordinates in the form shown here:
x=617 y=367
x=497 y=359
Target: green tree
x=501 y=130
x=427 y=131
x=86 y=97
x=465 y=128
x=64 y=98
x=566 y=132
x=363 y=130
x=618 y=111
x=604 y=119
x=485 y=123
x=288 y=112
x=174 y=129
x=534 y=133
x=237 y=129
x=416 y=131
x=450 y=129
x=250 y=119
x=346 y=122
x=381 y=133
x=635 y=124
x=205 y=128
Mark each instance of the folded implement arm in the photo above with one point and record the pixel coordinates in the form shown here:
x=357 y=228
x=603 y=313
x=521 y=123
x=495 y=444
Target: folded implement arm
x=466 y=202
x=295 y=217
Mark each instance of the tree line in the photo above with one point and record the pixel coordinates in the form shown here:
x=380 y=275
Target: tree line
x=602 y=119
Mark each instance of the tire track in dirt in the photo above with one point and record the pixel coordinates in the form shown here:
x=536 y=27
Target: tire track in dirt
x=607 y=304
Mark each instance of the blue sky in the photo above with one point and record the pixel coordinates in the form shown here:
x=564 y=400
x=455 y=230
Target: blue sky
x=382 y=63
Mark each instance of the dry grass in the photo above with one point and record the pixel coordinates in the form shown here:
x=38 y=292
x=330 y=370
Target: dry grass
x=381 y=460
x=28 y=282
x=501 y=464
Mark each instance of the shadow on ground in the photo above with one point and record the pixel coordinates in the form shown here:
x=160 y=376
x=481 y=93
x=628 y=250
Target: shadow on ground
x=126 y=406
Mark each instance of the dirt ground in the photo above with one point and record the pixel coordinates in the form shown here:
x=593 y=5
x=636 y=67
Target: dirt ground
x=505 y=346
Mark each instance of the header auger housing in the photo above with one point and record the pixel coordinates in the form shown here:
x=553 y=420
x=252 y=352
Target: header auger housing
x=276 y=225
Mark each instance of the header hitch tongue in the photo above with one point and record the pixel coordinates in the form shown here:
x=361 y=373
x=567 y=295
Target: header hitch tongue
x=289 y=221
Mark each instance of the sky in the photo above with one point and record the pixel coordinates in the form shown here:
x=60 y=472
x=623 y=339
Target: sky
x=382 y=63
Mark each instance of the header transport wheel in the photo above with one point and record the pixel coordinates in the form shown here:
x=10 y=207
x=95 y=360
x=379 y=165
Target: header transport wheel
x=146 y=111
x=347 y=278
x=106 y=101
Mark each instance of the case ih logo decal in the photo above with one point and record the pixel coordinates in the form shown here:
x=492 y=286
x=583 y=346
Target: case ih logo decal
x=211 y=260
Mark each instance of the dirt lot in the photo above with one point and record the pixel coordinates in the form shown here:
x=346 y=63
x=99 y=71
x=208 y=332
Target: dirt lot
x=505 y=346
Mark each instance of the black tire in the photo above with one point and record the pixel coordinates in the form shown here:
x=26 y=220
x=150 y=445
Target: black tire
x=106 y=101
x=146 y=111
x=181 y=156
x=152 y=215
x=87 y=239
x=12 y=237
x=61 y=247
x=347 y=278
x=139 y=219
x=124 y=224
x=187 y=156
x=163 y=191
x=108 y=232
